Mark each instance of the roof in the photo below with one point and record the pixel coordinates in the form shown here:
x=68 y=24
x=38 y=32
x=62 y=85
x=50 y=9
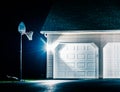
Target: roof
x=88 y=15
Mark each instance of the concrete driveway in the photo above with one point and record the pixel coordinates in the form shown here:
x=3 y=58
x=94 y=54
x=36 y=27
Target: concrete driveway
x=100 y=85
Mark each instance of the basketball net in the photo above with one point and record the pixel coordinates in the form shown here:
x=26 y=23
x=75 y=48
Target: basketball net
x=29 y=35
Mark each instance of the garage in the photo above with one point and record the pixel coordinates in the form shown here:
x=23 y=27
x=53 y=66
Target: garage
x=83 y=54
x=76 y=60
x=111 y=59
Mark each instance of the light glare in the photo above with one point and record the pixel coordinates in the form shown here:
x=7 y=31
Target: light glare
x=50 y=47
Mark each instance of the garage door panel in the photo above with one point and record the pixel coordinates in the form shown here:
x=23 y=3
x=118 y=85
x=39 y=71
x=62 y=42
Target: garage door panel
x=80 y=74
x=71 y=64
x=118 y=55
x=90 y=64
x=75 y=60
x=70 y=47
x=90 y=74
x=80 y=65
x=61 y=68
x=111 y=65
x=80 y=56
x=61 y=74
x=89 y=56
x=90 y=48
x=70 y=74
x=92 y=61
x=70 y=56
x=81 y=47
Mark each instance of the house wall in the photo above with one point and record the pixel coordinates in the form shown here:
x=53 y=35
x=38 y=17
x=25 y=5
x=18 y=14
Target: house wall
x=99 y=39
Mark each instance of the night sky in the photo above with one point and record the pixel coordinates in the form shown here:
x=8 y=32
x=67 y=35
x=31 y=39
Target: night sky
x=34 y=15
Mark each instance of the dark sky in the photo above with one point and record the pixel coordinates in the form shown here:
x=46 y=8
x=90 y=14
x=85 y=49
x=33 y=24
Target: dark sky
x=33 y=14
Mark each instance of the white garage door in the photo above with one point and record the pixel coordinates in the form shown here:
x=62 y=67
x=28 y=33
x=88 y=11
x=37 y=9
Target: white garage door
x=76 y=60
x=111 y=59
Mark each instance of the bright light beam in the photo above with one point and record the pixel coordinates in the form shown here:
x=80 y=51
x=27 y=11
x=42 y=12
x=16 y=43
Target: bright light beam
x=47 y=47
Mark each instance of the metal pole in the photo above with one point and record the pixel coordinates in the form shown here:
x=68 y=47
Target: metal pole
x=21 y=57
